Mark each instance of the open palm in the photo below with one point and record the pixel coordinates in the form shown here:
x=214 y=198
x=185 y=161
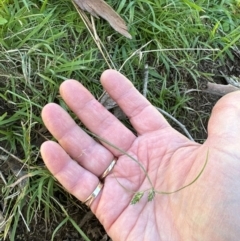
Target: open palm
x=206 y=210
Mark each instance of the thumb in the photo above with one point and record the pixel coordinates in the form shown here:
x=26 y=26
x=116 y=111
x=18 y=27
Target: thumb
x=224 y=123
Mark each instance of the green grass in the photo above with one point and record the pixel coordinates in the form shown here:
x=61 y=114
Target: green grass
x=42 y=43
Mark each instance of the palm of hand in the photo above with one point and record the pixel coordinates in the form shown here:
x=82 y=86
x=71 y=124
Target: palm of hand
x=168 y=217
x=171 y=161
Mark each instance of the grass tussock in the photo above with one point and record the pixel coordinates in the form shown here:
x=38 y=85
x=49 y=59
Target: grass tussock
x=42 y=43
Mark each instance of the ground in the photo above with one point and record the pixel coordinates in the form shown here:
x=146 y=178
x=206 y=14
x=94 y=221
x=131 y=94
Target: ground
x=186 y=44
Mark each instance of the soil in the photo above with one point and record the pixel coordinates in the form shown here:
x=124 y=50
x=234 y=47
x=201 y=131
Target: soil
x=43 y=231
x=195 y=119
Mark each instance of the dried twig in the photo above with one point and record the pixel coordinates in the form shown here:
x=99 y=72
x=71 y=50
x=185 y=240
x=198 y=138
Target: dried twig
x=20 y=180
x=97 y=40
x=232 y=80
x=176 y=121
x=10 y=154
x=138 y=51
x=145 y=80
x=145 y=83
x=218 y=89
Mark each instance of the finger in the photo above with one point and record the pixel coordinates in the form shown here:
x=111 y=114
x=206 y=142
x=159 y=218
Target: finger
x=72 y=176
x=224 y=123
x=143 y=116
x=80 y=146
x=95 y=117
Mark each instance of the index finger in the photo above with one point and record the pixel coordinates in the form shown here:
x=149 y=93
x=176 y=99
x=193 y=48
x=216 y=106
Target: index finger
x=142 y=114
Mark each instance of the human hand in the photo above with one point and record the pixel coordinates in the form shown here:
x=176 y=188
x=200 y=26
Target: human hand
x=206 y=210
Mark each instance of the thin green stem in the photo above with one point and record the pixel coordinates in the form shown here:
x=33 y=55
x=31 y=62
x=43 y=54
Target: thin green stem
x=152 y=190
x=123 y=152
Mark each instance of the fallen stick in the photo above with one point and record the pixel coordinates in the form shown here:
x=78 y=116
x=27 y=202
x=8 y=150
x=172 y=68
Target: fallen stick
x=218 y=89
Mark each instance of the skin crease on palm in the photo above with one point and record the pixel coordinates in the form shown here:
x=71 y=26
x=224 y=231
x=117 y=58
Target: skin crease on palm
x=209 y=209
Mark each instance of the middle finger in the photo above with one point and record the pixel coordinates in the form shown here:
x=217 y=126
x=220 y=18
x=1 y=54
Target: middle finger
x=96 y=117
